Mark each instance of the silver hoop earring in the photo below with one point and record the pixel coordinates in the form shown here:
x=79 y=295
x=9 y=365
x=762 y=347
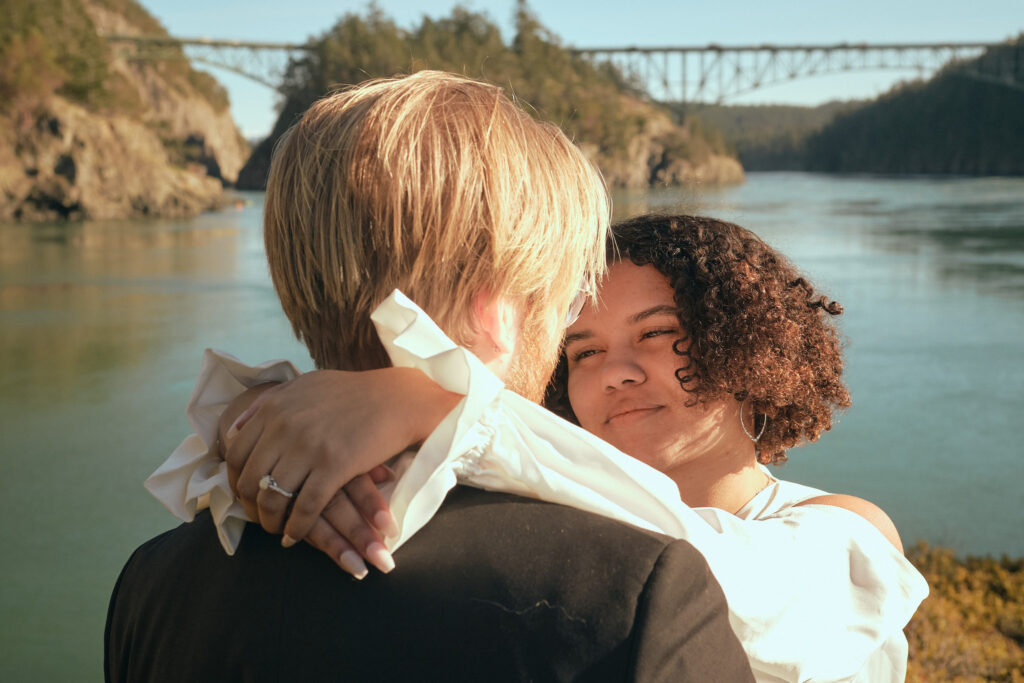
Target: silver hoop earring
x=743 y=424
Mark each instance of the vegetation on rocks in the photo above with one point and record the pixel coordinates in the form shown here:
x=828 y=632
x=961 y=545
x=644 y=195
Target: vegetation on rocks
x=634 y=142
x=93 y=130
x=49 y=46
x=52 y=47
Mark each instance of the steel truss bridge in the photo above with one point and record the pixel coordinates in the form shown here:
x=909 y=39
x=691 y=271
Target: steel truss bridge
x=264 y=63
x=708 y=74
x=716 y=73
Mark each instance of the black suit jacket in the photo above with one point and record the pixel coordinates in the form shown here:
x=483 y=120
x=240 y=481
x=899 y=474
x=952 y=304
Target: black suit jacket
x=495 y=588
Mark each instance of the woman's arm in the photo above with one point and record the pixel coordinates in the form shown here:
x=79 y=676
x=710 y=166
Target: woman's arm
x=315 y=436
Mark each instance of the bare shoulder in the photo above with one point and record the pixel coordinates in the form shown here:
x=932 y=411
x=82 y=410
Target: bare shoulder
x=865 y=509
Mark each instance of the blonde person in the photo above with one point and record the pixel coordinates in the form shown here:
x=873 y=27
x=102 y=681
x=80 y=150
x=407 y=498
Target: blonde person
x=441 y=187
x=707 y=357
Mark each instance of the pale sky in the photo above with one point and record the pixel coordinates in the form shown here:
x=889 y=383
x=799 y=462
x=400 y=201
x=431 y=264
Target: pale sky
x=597 y=23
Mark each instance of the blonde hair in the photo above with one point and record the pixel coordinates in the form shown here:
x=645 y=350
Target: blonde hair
x=437 y=185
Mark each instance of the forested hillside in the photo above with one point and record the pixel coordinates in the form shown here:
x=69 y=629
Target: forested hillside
x=951 y=124
x=634 y=142
x=770 y=137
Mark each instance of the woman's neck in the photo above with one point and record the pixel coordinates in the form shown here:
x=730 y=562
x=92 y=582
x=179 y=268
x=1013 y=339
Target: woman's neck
x=726 y=478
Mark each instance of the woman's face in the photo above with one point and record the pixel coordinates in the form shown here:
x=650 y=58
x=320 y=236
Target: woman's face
x=622 y=382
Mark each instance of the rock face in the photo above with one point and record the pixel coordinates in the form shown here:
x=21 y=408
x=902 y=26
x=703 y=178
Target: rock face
x=667 y=154
x=174 y=110
x=169 y=151
x=71 y=164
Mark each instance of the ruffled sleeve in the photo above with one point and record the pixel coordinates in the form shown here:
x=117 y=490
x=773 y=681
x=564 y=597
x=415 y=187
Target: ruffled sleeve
x=194 y=477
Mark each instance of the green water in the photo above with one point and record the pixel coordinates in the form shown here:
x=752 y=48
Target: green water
x=102 y=326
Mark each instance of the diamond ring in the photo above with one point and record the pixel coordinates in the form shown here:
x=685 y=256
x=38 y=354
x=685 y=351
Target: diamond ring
x=269 y=483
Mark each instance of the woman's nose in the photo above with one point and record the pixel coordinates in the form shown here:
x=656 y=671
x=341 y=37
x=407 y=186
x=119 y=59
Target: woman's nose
x=622 y=369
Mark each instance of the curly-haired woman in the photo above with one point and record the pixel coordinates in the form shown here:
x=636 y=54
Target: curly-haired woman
x=706 y=356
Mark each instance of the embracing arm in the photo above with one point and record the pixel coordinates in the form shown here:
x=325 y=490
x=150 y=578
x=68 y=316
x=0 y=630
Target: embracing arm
x=317 y=435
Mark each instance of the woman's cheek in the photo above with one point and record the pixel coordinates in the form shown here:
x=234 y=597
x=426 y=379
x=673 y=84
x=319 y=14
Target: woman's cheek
x=581 y=396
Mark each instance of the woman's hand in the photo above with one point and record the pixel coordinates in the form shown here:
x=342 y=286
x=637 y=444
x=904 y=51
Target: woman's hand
x=316 y=436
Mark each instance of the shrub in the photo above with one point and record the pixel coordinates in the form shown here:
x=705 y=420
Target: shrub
x=971 y=627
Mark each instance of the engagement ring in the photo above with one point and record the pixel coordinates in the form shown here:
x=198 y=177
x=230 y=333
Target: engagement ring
x=268 y=482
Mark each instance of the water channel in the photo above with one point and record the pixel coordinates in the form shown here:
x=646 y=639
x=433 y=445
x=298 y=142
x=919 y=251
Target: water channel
x=102 y=325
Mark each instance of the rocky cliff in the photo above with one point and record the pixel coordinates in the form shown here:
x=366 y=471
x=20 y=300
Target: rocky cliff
x=144 y=136
x=664 y=153
x=178 y=110
x=69 y=163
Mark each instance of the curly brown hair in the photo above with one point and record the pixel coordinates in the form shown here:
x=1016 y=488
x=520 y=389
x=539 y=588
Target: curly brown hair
x=755 y=328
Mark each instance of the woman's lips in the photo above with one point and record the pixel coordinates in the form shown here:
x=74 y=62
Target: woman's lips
x=630 y=413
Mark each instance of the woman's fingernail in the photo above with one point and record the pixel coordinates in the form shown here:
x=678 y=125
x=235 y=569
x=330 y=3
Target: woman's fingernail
x=232 y=431
x=385 y=523
x=377 y=554
x=353 y=564
x=287 y=541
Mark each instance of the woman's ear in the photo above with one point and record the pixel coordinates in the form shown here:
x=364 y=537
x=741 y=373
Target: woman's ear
x=497 y=324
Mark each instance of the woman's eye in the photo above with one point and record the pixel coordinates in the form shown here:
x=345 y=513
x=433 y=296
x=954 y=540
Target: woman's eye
x=657 y=333
x=580 y=355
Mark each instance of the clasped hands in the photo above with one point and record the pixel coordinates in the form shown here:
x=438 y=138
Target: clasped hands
x=325 y=436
